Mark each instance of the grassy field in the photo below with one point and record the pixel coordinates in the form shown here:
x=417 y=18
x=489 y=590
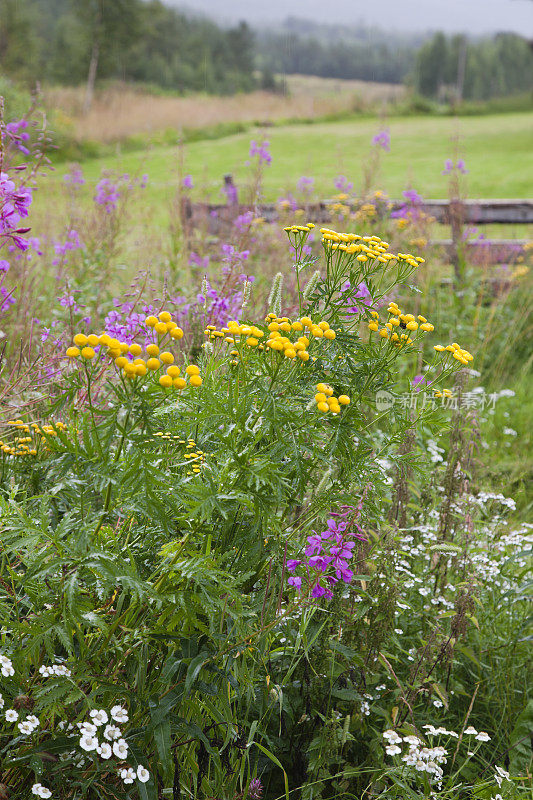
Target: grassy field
x=120 y=111
x=498 y=150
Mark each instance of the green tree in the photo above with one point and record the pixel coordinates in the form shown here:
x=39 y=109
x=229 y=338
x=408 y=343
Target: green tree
x=111 y=26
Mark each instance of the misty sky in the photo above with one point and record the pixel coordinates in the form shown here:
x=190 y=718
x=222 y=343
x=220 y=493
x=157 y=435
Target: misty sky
x=470 y=16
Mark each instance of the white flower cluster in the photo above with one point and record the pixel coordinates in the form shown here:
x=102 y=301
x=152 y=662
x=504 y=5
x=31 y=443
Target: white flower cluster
x=128 y=775
x=57 y=670
x=481 y=736
x=113 y=743
x=40 y=791
x=26 y=726
x=6 y=666
x=423 y=759
x=429 y=759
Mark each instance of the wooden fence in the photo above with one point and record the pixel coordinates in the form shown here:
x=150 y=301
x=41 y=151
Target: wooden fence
x=217 y=219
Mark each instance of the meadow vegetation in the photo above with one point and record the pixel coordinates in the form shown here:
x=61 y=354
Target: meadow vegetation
x=264 y=494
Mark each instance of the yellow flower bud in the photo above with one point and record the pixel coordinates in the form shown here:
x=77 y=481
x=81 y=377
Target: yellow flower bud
x=164 y=316
x=165 y=381
x=73 y=352
x=161 y=327
x=303 y=355
x=153 y=363
x=173 y=371
x=179 y=383
x=329 y=334
x=344 y=400
x=80 y=339
x=135 y=349
x=93 y=340
x=195 y=380
x=167 y=358
x=88 y=353
x=151 y=321
x=121 y=362
x=323 y=407
x=176 y=333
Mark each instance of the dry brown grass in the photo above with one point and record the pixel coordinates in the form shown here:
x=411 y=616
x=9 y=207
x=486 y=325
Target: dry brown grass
x=122 y=111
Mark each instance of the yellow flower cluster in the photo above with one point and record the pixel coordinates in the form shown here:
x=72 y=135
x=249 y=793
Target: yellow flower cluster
x=27 y=445
x=193 y=455
x=277 y=341
x=457 y=352
x=326 y=402
x=367 y=248
x=299 y=228
x=444 y=393
x=127 y=357
x=398 y=321
x=365 y=213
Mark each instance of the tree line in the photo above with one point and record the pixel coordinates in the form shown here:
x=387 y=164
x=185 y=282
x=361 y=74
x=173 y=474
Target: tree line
x=71 y=41
x=146 y=41
x=455 y=67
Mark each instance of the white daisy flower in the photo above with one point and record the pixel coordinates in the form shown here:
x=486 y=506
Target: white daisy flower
x=120 y=749
x=99 y=717
x=112 y=732
x=127 y=775
x=88 y=742
x=33 y=720
x=25 y=728
x=119 y=714
x=142 y=774
x=87 y=728
x=11 y=715
x=393 y=750
x=470 y=731
x=104 y=750
x=483 y=737
x=40 y=790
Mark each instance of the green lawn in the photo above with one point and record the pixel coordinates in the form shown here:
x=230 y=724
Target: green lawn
x=498 y=150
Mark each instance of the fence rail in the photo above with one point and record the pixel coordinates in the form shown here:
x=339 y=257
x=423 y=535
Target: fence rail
x=217 y=219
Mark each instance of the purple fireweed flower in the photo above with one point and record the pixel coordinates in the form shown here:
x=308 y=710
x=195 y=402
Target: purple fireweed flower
x=360 y=292
x=17 y=133
x=315 y=544
x=418 y=382
x=243 y=221
x=187 y=182
x=342 y=183
x=74 y=177
x=411 y=207
x=232 y=196
x=305 y=184
x=4 y=265
x=330 y=551
x=450 y=167
x=292 y=564
x=295 y=581
x=382 y=139
x=196 y=260
x=261 y=150
x=107 y=195
x=7 y=298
